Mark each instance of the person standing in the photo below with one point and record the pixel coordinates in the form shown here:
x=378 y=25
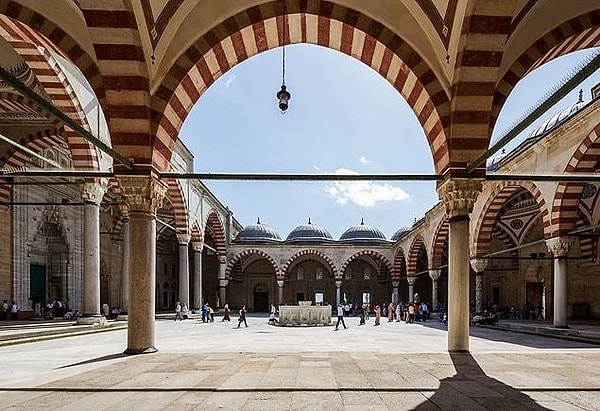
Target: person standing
x=178 y=312
x=14 y=310
x=4 y=310
x=242 y=317
x=340 y=317
x=377 y=315
x=226 y=311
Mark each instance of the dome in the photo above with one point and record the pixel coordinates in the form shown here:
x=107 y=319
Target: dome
x=558 y=118
x=257 y=233
x=400 y=233
x=309 y=233
x=363 y=233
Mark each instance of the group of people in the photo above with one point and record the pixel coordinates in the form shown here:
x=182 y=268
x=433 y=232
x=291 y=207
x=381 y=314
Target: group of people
x=9 y=311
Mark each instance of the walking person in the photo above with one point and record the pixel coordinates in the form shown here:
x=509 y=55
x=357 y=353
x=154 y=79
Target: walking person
x=242 y=317
x=226 y=311
x=340 y=317
x=178 y=312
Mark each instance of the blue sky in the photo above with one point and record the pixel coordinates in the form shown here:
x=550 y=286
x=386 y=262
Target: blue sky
x=343 y=118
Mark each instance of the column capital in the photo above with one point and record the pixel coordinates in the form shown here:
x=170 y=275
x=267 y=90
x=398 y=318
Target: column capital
x=197 y=246
x=459 y=195
x=93 y=190
x=411 y=279
x=395 y=283
x=280 y=283
x=435 y=274
x=560 y=246
x=142 y=194
x=183 y=239
x=124 y=210
x=338 y=283
x=222 y=259
x=479 y=264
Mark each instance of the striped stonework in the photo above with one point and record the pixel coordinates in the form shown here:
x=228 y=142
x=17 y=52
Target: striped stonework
x=399 y=269
x=440 y=241
x=588 y=244
x=374 y=254
x=492 y=210
x=320 y=256
x=567 y=198
x=238 y=258
x=16 y=159
x=509 y=243
x=413 y=254
x=575 y=34
x=114 y=32
x=180 y=209
x=259 y=29
x=54 y=82
x=197 y=234
x=214 y=226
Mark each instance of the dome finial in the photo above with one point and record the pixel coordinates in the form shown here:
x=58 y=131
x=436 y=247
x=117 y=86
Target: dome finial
x=258 y=220
x=309 y=220
x=362 y=221
x=580 y=96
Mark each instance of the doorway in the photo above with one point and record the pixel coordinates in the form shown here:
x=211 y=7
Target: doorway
x=300 y=297
x=37 y=283
x=261 y=299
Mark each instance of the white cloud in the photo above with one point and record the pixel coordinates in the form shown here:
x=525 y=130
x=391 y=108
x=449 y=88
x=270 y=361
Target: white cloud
x=316 y=167
x=230 y=80
x=363 y=193
x=364 y=160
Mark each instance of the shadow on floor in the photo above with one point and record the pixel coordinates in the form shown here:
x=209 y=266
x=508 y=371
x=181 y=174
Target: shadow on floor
x=471 y=388
x=94 y=360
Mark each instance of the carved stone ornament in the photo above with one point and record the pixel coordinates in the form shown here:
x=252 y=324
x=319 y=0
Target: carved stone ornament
x=280 y=283
x=197 y=246
x=411 y=280
x=435 y=274
x=222 y=260
x=459 y=195
x=479 y=264
x=559 y=246
x=93 y=191
x=183 y=239
x=338 y=283
x=124 y=210
x=395 y=284
x=143 y=194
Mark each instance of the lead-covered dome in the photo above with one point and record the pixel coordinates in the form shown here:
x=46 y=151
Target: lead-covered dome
x=363 y=233
x=309 y=233
x=558 y=118
x=258 y=232
x=400 y=233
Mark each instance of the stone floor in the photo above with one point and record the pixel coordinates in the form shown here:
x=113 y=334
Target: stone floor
x=216 y=366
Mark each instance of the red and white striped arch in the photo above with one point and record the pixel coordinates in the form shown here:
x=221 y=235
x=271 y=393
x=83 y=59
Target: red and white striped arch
x=567 y=197
x=197 y=234
x=258 y=29
x=440 y=241
x=491 y=211
x=14 y=158
x=248 y=253
x=214 y=226
x=399 y=269
x=318 y=255
x=371 y=253
x=575 y=34
x=413 y=254
x=481 y=44
x=33 y=49
x=180 y=209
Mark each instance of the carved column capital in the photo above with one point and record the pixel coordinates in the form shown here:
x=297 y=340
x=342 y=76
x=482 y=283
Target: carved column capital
x=459 y=195
x=560 y=246
x=435 y=274
x=92 y=191
x=183 y=239
x=197 y=246
x=222 y=260
x=143 y=194
x=124 y=210
x=411 y=279
x=338 y=283
x=395 y=284
x=479 y=264
x=280 y=283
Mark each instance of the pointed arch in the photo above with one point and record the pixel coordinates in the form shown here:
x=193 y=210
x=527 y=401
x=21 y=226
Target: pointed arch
x=440 y=241
x=399 y=269
x=248 y=253
x=180 y=209
x=371 y=253
x=320 y=255
x=214 y=226
x=417 y=244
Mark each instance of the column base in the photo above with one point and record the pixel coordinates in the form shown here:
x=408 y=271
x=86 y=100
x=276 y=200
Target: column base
x=458 y=351
x=562 y=327
x=132 y=351
x=91 y=320
x=122 y=317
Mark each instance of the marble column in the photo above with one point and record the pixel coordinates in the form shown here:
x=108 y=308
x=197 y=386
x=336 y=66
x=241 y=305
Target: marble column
x=435 y=276
x=125 y=265
x=338 y=292
x=458 y=196
x=411 y=288
x=280 y=291
x=560 y=248
x=479 y=265
x=143 y=195
x=222 y=281
x=197 y=278
x=184 y=269
x=395 y=285
x=91 y=194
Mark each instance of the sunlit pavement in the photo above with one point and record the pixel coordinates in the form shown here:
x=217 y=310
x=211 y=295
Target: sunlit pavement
x=217 y=366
